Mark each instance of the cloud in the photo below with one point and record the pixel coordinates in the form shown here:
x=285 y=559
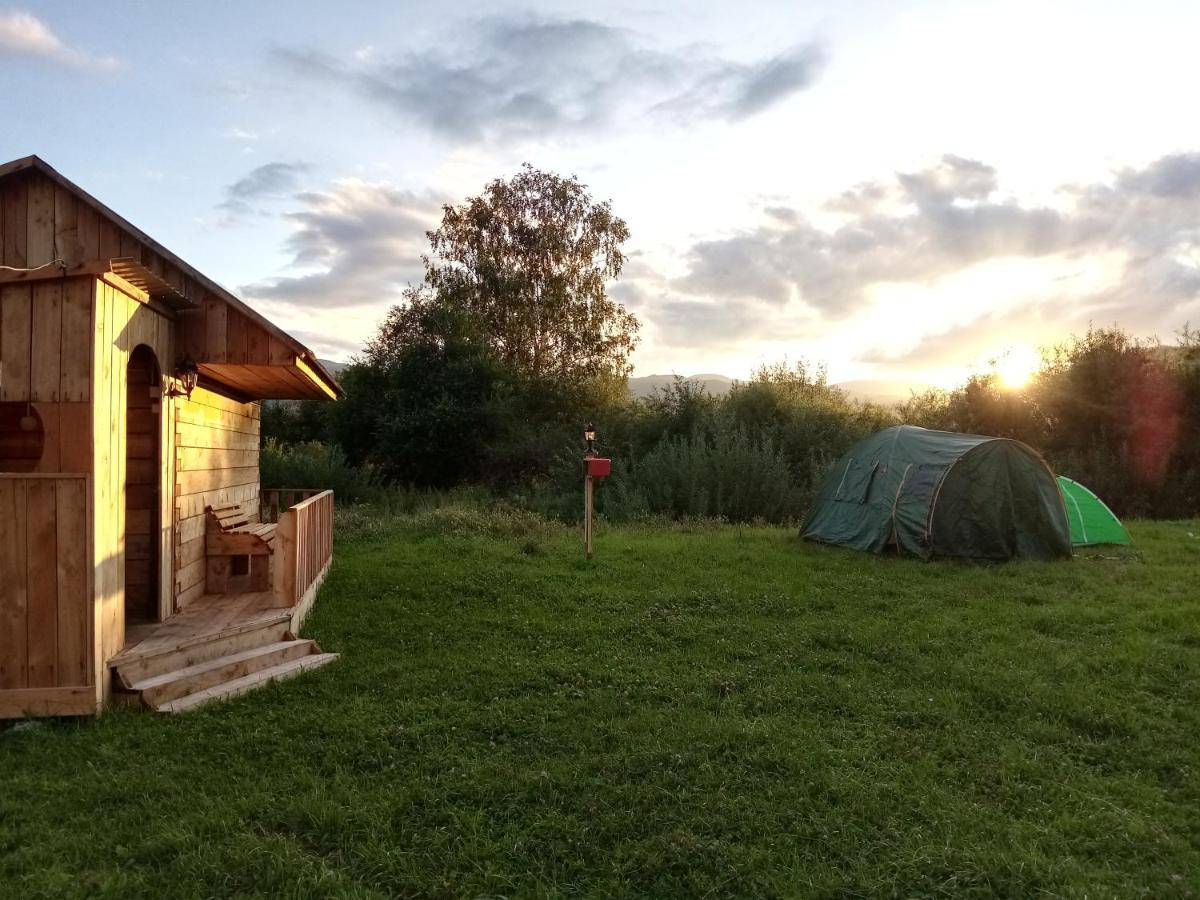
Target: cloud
x=23 y=34
x=327 y=345
x=1177 y=175
x=1126 y=249
x=953 y=178
x=928 y=224
x=922 y=226
x=757 y=87
x=501 y=79
x=689 y=323
x=972 y=343
x=1135 y=236
x=271 y=181
x=356 y=244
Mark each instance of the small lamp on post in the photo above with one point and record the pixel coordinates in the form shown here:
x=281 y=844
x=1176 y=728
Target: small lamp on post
x=593 y=467
x=187 y=376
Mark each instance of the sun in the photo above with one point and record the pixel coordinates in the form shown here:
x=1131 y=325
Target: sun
x=1016 y=366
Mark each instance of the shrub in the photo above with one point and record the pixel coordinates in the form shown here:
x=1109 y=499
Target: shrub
x=727 y=475
x=444 y=513
x=317 y=465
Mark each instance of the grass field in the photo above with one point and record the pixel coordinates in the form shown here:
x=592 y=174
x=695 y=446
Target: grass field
x=713 y=710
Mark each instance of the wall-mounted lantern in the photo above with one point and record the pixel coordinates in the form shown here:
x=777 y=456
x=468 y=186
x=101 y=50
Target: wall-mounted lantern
x=187 y=376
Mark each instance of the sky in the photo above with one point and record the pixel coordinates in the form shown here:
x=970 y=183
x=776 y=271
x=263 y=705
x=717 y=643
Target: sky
x=900 y=191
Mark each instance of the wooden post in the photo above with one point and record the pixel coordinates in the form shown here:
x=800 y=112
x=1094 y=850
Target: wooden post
x=283 y=566
x=587 y=516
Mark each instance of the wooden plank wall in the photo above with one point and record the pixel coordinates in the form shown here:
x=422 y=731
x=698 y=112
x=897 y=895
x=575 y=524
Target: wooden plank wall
x=220 y=333
x=123 y=323
x=41 y=221
x=216 y=461
x=45 y=627
x=45 y=598
x=45 y=359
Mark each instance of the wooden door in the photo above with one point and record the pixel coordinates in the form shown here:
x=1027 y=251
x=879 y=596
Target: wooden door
x=142 y=462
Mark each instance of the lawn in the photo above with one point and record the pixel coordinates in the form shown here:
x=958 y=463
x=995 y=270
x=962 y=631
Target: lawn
x=706 y=710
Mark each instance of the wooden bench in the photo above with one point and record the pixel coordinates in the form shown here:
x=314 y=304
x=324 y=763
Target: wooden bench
x=234 y=534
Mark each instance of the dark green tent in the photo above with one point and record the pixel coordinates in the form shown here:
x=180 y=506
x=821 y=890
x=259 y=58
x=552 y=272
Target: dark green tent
x=935 y=493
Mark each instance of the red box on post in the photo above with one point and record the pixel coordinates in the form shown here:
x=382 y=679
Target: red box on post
x=598 y=467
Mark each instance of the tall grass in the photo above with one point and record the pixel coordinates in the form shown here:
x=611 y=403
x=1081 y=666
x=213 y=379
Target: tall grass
x=727 y=475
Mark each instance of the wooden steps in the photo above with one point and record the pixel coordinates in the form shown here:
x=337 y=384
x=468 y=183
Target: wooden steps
x=140 y=663
x=206 y=667
x=246 y=683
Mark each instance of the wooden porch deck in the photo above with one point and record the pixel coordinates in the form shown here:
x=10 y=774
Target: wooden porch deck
x=207 y=617
x=224 y=644
x=220 y=646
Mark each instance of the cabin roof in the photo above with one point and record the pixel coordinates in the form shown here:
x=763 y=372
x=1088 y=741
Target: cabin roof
x=308 y=369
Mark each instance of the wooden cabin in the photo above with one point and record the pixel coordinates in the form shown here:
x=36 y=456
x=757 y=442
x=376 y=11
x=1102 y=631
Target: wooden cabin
x=135 y=563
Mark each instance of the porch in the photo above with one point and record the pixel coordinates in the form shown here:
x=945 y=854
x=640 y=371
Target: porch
x=222 y=645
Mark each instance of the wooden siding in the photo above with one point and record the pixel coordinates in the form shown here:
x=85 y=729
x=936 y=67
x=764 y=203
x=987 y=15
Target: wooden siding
x=42 y=220
x=45 y=340
x=123 y=323
x=45 y=356
x=45 y=218
x=66 y=336
x=45 y=601
x=216 y=463
x=46 y=637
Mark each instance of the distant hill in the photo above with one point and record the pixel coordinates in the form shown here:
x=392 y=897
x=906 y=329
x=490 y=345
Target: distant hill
x=880 y=391
x=876 y=391
x=872 y=390
x=645 y=385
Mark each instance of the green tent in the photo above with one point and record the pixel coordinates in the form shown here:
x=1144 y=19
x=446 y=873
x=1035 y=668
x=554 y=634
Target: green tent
x=936 y=493
x=1092 y=522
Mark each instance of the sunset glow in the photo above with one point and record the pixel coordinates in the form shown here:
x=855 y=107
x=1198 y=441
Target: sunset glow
x=1016 y=367
x=766 y=224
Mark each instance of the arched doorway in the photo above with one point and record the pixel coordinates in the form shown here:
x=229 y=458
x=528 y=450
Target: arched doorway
x=142 y=479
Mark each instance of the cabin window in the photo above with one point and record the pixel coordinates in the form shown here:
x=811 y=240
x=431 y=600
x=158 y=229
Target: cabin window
x=22 y=437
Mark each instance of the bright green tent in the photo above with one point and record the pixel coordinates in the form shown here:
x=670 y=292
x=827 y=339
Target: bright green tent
x=937 y=493
x=1092 y=522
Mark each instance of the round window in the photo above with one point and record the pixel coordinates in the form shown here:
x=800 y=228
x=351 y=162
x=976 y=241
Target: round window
x=22 y=437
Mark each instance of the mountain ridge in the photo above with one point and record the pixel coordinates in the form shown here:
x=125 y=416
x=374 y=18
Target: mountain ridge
x=643 y=386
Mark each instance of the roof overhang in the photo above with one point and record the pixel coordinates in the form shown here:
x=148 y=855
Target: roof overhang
x=293 y=373
x=297 y=381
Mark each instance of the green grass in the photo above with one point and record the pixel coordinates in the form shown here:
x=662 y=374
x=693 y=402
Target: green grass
x=713 y=710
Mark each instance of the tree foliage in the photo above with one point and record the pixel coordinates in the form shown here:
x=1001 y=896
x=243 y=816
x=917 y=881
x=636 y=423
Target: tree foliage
x=530 y=259
x=1119 y=413
x=506 y=348
x=489 y=369
x=424 y=397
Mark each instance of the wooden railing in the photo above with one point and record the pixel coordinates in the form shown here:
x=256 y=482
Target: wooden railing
x=273 y=501
x=303 y=549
